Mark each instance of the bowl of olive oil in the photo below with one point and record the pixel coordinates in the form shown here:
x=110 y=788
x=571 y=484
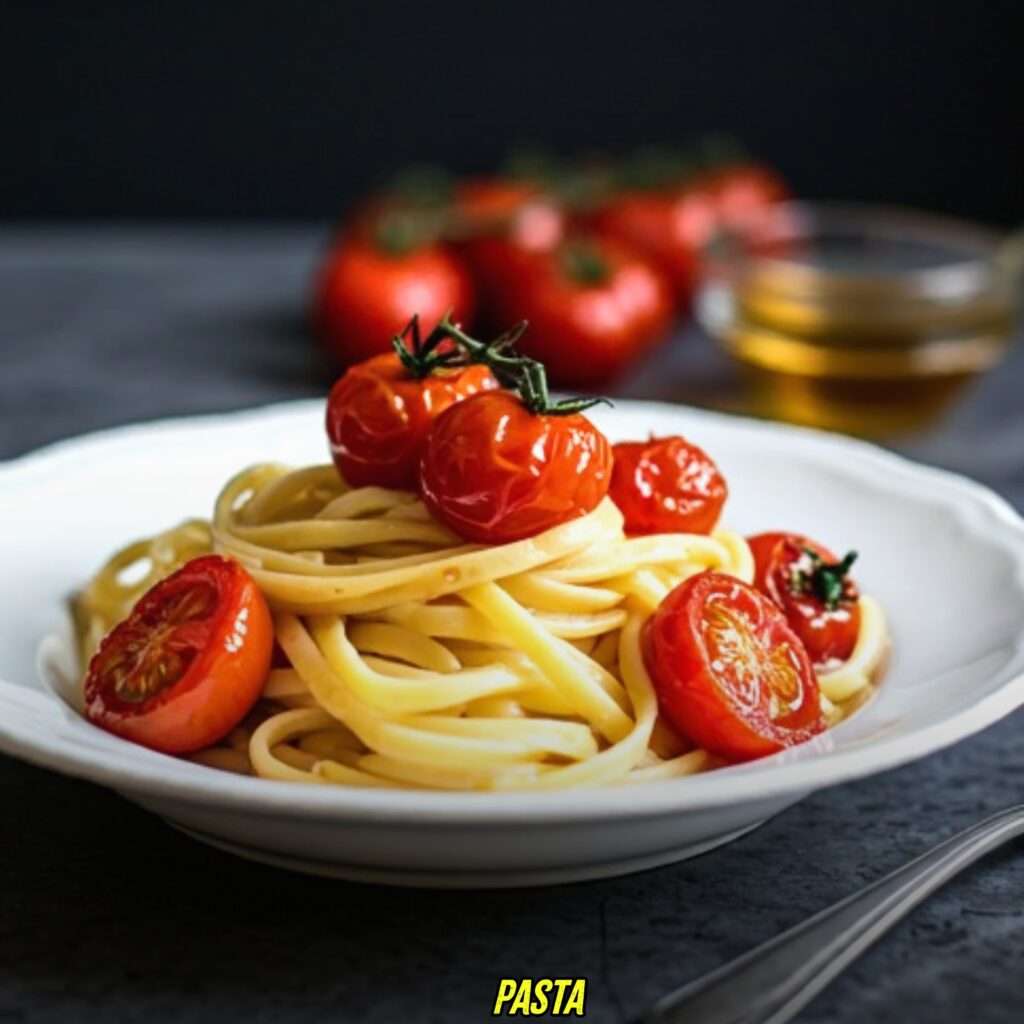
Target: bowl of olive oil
x=868 y=320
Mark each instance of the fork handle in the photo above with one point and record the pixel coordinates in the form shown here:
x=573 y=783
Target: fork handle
x=776 y=980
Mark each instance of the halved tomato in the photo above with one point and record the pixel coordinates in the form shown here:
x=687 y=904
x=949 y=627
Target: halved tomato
x=729 y=672
x=189 y=661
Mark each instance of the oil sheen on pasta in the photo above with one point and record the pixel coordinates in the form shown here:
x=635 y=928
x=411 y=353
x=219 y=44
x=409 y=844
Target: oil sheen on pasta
x=419 y=661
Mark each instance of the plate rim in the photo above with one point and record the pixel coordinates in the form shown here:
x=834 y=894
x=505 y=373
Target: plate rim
x=147 y=771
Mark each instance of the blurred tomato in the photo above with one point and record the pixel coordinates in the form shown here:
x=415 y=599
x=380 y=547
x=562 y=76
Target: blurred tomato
x=503 y=225
x=743 y=192
x=369 y=288
x=593 y=306
x=670 y=227
x=674 y=224
x=484 y=205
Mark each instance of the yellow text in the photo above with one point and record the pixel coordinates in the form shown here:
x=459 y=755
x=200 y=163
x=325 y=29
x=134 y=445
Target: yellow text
x=532 y=997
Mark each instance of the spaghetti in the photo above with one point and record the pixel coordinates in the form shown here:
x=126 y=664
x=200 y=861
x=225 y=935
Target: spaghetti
x=414 y=659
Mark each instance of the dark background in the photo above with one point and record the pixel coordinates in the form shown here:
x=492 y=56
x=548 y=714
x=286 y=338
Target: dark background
x=265 y=110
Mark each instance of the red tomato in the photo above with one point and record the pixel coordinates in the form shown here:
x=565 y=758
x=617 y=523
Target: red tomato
x=366 y=295
x=593 y=307
x=484 y=205
x=495 y=472
x=505 y=225
x=188 y=663
x=743 y=193
x=813 y=588
x=499 y=266
x=378 y=415
x=666 y=485
x=669 y=227
x=729 y=672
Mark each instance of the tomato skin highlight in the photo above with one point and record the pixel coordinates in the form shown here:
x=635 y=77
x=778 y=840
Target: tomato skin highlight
x=494 y=472
x=674 y=225
x=379 y=414
x=588 y=332
x=729 y=673
x=365 y=296
x=666 y=485
x=829 y=634
x=508 y=207
x=200 y=642
x=743 y=193
x=508 y=225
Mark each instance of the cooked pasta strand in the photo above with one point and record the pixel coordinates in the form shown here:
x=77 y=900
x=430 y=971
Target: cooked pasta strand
x=414 y=660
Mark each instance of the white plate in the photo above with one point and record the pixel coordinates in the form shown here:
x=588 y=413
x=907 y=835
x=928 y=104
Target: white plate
x=944 y=555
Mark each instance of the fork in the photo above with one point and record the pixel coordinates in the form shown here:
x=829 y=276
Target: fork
x=774 y=981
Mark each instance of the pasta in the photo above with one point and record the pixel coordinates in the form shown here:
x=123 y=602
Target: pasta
x=415 y=659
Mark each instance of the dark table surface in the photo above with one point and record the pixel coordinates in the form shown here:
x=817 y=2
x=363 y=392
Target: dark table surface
x=107 y=914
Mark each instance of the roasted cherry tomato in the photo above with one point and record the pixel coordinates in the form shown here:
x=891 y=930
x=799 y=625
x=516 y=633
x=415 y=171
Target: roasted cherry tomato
x=666 y=485
x=729 y=672
x=813 y=588
x=762 y=547
x=670 y=227
x=379 y=413
x=494 y=472
x=189 y=661
x=368 y=290
x=593 y=307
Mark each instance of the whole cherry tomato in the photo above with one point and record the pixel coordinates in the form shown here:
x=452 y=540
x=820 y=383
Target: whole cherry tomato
x=593 y=307
x=670 y=226
x=814 y=590
x=743 y=192
x=503 y=225
x=379 y=413
x=189 y=661
x=487 y=205
x=369 y=288
x=729 y=672
x=666 y=485
x=494 y=472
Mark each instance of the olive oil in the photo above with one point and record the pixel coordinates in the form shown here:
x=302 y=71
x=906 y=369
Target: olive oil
x=859 y=320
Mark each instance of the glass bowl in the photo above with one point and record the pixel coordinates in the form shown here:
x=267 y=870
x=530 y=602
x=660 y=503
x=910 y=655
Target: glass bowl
x=863 y=319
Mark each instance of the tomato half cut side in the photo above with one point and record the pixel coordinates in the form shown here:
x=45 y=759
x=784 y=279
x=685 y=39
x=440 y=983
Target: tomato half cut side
x=729 y=672
x=188 y=663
